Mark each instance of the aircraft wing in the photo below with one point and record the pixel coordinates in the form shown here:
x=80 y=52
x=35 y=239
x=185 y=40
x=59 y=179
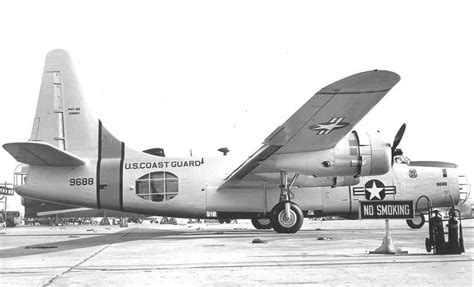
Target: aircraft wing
x=324 y=119
x=42 y=154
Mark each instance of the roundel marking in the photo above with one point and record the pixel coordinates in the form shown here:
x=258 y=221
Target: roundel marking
x=374 y=190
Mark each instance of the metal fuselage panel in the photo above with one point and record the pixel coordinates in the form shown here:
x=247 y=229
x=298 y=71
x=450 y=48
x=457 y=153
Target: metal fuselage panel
x=199 y=180
x=53 y=184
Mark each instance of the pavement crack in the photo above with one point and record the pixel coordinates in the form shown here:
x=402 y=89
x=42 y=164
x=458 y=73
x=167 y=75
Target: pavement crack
x=84 y=260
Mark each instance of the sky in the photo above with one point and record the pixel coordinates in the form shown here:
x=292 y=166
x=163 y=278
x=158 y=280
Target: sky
x=200 y=75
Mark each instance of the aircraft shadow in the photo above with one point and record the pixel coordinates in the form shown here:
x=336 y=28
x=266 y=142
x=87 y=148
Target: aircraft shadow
x=86 y=240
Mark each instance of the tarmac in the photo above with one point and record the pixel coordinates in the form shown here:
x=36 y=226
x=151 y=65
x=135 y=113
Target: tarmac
x=322 y=253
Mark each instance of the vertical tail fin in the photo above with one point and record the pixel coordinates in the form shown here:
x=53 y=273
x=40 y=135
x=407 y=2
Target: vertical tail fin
x=62 y=118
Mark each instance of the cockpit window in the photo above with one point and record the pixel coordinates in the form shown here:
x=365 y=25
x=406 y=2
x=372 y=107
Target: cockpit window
x=401 y=159
x=157 y=186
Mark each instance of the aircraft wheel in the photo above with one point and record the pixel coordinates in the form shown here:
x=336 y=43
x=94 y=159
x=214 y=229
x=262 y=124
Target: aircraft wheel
x=221 y=220
x=261 y=223
x=418 y=222
x=283 y=224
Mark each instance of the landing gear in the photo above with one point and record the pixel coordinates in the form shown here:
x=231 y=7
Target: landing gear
x=261 y=222
x=224 y=220
x=286 y=216
x=417 y=222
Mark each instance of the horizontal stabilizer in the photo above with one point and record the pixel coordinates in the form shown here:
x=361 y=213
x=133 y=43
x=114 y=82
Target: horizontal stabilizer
x=42 y=154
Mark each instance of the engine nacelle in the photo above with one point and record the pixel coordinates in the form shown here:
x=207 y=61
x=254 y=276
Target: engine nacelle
x=353 y=156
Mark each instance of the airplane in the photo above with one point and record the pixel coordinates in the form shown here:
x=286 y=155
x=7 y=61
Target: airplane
x=314 y=163
x=404 y=177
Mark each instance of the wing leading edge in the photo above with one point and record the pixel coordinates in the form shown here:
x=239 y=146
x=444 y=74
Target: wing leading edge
x=324 y=119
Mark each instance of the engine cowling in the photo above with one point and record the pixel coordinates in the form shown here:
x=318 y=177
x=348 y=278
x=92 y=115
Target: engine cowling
x=375 y=154
x=354 y=156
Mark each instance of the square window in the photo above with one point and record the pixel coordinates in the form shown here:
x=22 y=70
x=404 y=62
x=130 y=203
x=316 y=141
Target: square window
x=171 y=186
x=142 y=187
x=157 y=186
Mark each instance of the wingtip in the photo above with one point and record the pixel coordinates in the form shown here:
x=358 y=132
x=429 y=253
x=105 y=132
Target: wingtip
x=366 y=81
x=7 y=145
x=389 y=75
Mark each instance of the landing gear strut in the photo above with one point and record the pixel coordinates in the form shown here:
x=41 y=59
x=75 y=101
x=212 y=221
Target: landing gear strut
x=286 y=216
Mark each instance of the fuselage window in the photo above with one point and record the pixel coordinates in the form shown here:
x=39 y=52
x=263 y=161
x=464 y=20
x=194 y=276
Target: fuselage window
x=157 y=186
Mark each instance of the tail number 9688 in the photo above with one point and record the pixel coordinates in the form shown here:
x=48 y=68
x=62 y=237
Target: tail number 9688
x=81 y=181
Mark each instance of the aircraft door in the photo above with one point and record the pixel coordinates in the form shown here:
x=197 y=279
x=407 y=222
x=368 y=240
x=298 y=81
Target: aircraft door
x=110 y=171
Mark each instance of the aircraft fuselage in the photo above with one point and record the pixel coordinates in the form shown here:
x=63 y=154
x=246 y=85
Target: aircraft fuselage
x=191 y=187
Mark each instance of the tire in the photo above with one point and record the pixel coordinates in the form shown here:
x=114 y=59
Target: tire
x=283 y=225
x=221 y=220
x=261 y=223
x=418 y=222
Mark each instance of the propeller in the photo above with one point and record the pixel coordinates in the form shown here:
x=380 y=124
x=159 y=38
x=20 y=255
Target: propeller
x=397 y=140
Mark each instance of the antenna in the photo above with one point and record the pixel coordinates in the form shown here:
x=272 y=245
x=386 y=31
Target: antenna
x=224 y=150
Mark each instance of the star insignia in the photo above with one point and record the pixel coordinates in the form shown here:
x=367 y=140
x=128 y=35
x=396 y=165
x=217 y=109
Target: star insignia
x=326 y=128
x=374 y=191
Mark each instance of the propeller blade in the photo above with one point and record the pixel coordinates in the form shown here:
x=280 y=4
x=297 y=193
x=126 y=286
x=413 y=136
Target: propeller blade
x=398 y=137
